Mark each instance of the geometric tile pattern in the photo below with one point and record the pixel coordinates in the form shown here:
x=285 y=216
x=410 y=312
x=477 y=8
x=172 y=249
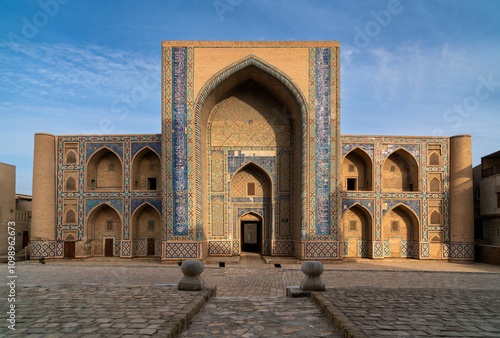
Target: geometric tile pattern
x=283 y=248
x=181 y=250
x=219 y=248
x=322 y=250
x=322 y=147
x=362 y=249
x=461 y=250
x=117 y=248
x=425 y=251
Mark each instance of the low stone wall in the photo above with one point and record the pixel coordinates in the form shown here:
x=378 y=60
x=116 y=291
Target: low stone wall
x=489 y=254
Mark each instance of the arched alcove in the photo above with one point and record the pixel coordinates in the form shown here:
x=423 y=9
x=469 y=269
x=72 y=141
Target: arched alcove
x=357 y=231
x=264 y=98
x=357 y=171
x=104 y=227
x=146 y=230
x=146 y=170
x=104 y=171
x=251 y=196
x=400 y=231
x=400 y=172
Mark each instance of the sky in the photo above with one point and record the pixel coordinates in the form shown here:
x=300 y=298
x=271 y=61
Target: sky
x=412 y=68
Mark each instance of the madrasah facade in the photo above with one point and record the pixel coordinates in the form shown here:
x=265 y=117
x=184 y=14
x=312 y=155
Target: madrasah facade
x=251 y=159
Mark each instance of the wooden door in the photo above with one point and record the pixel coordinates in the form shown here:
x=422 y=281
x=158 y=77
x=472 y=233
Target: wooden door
x=26 y=239
x=250 y=235
x=151 y=247
x=69 y=249
x=108 y=247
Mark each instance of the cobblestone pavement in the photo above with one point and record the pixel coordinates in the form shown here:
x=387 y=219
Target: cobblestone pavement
x=59 y=294
x=260 y=317
x=420 y=312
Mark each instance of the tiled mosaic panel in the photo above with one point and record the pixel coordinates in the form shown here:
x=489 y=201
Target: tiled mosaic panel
x=378 y=249
x=322 y=250
x=362 y=249
x=46 y=249
x=117 y=248
x=235 y=123
x=425 y=250
x=461 y=250
x=181 y=250
x=283 y=248
x=219 y=248
x=236 y=247
x=322 y=149
x=180 y=142
x=126 y=249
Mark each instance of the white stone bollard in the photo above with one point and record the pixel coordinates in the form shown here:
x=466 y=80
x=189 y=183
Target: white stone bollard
x=192 y=280
x=312 y=281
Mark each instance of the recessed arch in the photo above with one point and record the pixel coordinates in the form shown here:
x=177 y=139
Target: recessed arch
x=71 y=157
x=146 y=230
x=104 y=171
x=71 y=184
x=277 y=84
x=104 y=224
x=146 y=170
x=357 y=230
x=357 y=171
x=400 y=172
x=401 y=230
x=251 y=173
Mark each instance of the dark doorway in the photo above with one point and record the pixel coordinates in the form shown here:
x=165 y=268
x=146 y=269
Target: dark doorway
x=351 y=184
x=151 y=246
x=151 y=183
x=108 y=247
x=69 y=249
x=26 y=239
x=250 y=236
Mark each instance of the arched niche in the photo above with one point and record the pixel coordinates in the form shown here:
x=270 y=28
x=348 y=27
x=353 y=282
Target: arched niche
x=104 y=227
x=252 y=234
x=357 y=231
x=251 y=181
x=357 y=171
x=251 y=72
x=400 y=172
x=146 y=230
x=400 y=229
x=104 y=171
x=146 y=170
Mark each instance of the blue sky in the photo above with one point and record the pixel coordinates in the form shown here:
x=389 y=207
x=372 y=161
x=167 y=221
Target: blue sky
x=418 y=68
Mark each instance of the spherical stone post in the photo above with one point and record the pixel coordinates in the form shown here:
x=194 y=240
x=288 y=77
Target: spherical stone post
x=192 y=280
x=312 y=281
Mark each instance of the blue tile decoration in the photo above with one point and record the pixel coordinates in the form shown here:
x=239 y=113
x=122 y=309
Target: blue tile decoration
x=413 y=149
x=412 y=204
x=322 y=141
x=138 y=146
x=367 y=147
x=283 y=248
x=322 y=250
x=181 y=250
x=180 y=142
x=219 y=248
x=92 y=148
x=92 y=203
x=367 y=203
x=137 y=202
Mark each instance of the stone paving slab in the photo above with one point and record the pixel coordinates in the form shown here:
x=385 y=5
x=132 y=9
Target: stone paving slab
x=385 y=312
x=260 y=317
x=104 y=310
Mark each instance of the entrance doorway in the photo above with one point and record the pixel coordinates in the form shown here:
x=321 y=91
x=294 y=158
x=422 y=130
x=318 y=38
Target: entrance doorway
x=151 y=246
x=108 y=247
x=69 y=249
x=251 y=236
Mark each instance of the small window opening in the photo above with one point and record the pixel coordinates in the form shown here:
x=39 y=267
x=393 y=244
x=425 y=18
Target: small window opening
x=151 y=183
x=251 y=189
x=351 y=184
